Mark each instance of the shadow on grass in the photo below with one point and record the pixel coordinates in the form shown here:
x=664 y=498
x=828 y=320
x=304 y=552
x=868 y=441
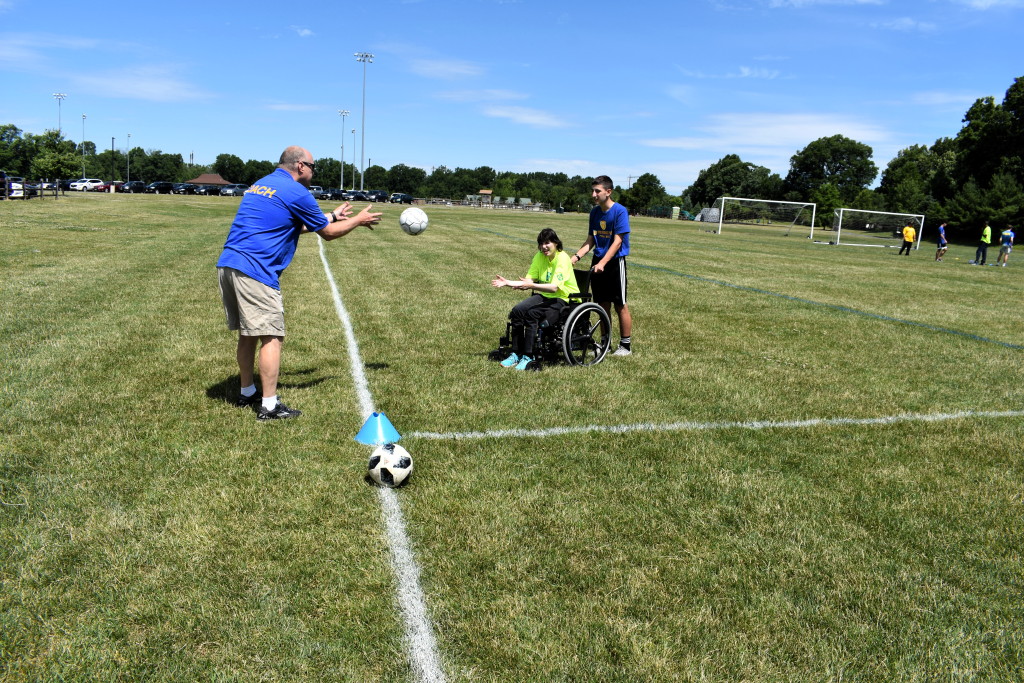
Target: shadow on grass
x=226 y=390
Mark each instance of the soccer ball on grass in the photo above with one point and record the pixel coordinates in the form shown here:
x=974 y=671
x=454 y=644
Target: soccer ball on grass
x=413 y=220
x=390 y=465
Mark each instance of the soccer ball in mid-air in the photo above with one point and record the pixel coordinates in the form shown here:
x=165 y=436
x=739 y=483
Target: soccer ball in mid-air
x=413 y=220
x=390 y=465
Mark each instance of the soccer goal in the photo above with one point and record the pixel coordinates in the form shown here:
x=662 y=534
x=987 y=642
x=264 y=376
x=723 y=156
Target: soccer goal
x=863 y=228
x=764 y=216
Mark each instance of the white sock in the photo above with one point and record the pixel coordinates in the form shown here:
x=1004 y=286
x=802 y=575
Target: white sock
x=270 y=402
x=249 y=390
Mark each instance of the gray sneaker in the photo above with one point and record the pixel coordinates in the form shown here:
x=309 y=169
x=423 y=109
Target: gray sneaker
x=622 y=351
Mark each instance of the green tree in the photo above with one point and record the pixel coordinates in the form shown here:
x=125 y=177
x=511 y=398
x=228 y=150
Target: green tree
x=52 y=165
x=230 y=167
x=868 y=200
x=647 y=192
x=254 y=170
x=405 y=179
x=730 y=176
x=828 y=199
x=839 y=161
x=376 y=178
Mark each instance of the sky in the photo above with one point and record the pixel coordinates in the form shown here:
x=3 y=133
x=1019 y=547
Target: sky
x=583 y=88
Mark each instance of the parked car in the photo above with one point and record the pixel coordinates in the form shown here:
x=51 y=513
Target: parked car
x=377 y=195
x=84 y=184
x=337 y=193
x=233 y=190
x=355 y=196
x=400 y=198
x=19 y=188
x=133 y=187
x=105 y=187
x=208 y=190
x=185 y=188
x=160 y=187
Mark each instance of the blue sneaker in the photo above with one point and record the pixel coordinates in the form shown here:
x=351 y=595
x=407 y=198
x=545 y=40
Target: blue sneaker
x=523 y=362
x=510 y=361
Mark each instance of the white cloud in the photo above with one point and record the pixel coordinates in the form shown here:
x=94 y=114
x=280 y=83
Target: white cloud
x=526 y=116
x=152 y=83
x=770 y=139
x=905 y=24
x=989 y=4
x=446 y=69
x=741 y=72
x=810 y=3
x=294 y=107
x=485 y=95
x=302 y=32
x=937 y=98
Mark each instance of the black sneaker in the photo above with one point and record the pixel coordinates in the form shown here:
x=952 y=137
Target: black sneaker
x=249 y=401
x=280 y=412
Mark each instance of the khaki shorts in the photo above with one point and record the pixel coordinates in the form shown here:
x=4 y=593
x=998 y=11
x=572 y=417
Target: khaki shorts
x=251 y=307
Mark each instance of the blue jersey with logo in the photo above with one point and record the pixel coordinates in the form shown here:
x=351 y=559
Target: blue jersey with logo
x=262 y=240
x=604 y=225
x=1007 y=237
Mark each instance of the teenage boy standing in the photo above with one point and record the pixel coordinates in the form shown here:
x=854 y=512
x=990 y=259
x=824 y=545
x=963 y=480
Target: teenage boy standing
x=608 y=237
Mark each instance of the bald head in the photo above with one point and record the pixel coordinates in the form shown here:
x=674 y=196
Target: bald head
x=299 y=163
x=292 y=155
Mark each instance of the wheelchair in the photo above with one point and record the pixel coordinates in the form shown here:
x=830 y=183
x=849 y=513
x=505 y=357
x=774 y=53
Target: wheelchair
x=580 y=336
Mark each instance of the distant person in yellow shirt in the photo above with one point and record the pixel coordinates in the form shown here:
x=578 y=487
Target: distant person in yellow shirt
x=552 y=277
x=982 y=253
x=908 y=239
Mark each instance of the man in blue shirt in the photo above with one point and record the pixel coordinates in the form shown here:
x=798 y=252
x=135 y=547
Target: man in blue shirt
x=274 y=212
x=943 y=244
x=608 y=236
x=1005 y=245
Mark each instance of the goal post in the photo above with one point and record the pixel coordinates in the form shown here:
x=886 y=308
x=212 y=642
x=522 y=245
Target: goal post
x=864 y=228
x=764 y=216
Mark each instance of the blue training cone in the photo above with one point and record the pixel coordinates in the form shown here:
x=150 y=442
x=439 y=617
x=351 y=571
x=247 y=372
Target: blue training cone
x=377 y=430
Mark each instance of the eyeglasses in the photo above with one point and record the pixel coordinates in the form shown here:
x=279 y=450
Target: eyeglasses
x=312 y=167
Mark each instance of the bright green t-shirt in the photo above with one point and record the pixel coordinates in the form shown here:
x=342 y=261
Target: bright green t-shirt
x=558 y=270
x=986 y=235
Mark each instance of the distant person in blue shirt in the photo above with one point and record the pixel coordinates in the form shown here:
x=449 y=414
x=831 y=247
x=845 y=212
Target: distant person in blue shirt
x=608 y=237
x=1005 y=246
x=274 y=212
x=943 y=244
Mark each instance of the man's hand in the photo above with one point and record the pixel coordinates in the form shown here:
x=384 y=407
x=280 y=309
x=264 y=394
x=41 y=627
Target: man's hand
x=344 y=211
x=368 y=218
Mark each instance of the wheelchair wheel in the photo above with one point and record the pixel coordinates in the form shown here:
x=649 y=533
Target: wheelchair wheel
x=586 y=335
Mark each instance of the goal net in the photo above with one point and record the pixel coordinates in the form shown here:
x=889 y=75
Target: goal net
x=762 y=216
x=863 y=228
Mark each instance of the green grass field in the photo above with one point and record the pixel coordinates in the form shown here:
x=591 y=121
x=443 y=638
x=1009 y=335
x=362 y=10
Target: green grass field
x=764 y=519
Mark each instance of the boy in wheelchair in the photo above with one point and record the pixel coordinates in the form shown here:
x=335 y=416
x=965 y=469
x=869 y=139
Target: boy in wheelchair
x=551 y=277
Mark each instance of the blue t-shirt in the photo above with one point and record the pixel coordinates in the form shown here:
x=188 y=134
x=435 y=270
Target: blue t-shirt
x=942 y=236
x=604 y=225
x=1007 y=237
x=262 y=240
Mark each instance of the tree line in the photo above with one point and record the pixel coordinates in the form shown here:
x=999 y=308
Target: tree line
x=975 y=177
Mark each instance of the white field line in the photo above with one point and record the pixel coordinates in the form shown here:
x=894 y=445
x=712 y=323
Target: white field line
x=419 y=631
x=710 y=426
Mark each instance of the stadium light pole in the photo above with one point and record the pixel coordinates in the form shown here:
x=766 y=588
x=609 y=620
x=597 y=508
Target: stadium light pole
x=83 y=145
x=129 y=155
x=353 y=159
x=59 y=96
x=365 y=58
x=343 y=113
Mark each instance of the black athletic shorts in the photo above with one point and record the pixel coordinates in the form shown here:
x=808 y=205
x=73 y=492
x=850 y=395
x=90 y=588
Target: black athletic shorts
x=611 y=285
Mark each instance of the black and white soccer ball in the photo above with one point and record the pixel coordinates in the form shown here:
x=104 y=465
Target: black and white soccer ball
x=390 y=465
x=413 y=220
